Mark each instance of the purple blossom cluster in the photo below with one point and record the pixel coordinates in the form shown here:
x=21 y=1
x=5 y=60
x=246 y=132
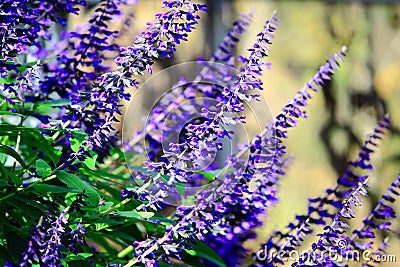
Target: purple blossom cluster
x=22 y=25
x=51 y=235
x=24 y=22
x=109 y=89
x=323 y=209
x=378 y=219
x=214 y=73
x=231 y=221
x=267 y=163
x=380 y=251
x=227 y=223
x=204 y=138
x=196 y=222
x=330 y=239
x=334 y=241
x=80 y=62
x=79 y=73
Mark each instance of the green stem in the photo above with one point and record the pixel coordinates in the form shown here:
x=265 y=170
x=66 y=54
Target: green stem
x=56 y=134
x=23 y=189
x=111 y=209
x=125 y=252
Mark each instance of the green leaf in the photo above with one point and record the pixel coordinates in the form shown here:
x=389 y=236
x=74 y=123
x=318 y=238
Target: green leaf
x=53 y=189
x=9 y=112
x=7 y=128
x=50 y=103
x=13 y=128
x=46 y=147
x=136 y=215
x=29 y=204
x=106 y=174
x=49 y=106
x=105 y=206
x=15 y=179
x=101 y=224
x=100 y=239
x=9 y=79
x=191 y=259
x=15 y=244
x=201 y=250
x=209 y=175
x=42 y=168
x=109 y=193
x=76 y=183
x=127 y=237
x=9 y=151
x=80 y=256
x=32 y=136
x=76 y=141
x=90 y=161
x=3 y=158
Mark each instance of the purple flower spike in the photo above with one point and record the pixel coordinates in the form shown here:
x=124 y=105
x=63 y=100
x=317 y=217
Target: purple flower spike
x=319 y=209
x=379 y=217
x=108 y=90
x=332 y=240
x=194 y=223
x=210 y=75
x=202 y=138
x=52 y=235
x=287 y=118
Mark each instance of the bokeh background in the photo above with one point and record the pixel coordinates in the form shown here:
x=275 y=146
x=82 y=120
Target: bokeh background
x=362 y=91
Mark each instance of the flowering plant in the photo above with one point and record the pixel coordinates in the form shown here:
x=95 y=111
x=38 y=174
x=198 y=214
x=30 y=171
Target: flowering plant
x=72 y=190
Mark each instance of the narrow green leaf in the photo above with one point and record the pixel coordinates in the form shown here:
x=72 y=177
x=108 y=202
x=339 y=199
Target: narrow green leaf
x=14 y=178
x=201 y=250
x=90 y=162
x=3 y=158
x=27 y=204
x=9 y=151
x=14 y=128
x=51 y=103
x=74 y=182
x=105 y=206
x=102 y=224
x=53 y=189
x=76 y=141
x=15 y=244
x=80 y=256
x=2 y=112
x=32 y=136
x=45 y=146
x=135 y=214
x=108 y=192
x=42 y=168
x=106 y=174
